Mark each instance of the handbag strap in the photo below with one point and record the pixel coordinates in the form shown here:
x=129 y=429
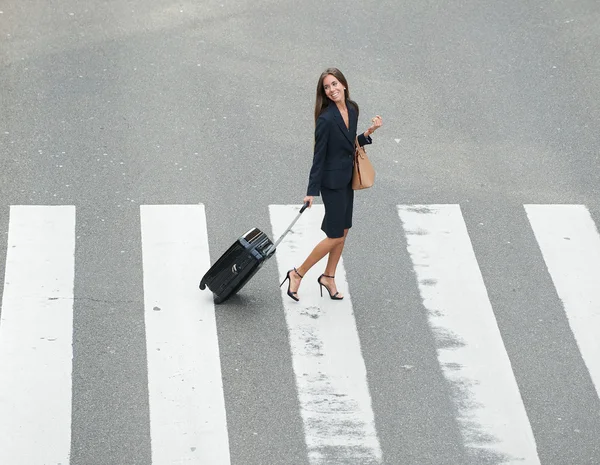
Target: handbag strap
x=357 y=155
x=357 y=149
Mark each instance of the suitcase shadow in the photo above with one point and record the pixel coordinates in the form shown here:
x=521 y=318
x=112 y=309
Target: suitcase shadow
x=241 y=302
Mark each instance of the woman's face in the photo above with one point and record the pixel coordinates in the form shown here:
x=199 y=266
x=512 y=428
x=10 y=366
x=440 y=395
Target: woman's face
x=334 y=90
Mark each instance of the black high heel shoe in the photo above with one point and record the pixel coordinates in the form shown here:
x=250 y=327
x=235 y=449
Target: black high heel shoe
x=321 y=286
x=287 y=278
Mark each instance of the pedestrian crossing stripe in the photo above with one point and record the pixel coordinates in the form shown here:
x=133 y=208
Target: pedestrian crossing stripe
x=187 y=409
x=570 y=244
x=36 y=326
x=331 y=377
x=490 y=410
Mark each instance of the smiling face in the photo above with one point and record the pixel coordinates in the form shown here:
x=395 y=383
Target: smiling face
x=334 y=90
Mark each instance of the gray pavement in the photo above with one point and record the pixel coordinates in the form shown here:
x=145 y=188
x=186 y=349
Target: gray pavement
x=109 y=105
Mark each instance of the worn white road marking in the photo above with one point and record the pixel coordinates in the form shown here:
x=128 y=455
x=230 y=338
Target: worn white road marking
x=187 y=408
x=470 y=350
x=330 y=371
x=36 y=328
x=570 y=244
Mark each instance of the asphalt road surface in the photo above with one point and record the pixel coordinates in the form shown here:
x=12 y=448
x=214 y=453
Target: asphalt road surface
x=139 y=139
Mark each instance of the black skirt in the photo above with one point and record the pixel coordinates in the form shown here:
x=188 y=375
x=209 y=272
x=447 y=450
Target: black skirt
x=339 y=204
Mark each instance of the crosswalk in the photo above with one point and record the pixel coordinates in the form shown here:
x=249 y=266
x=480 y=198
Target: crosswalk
x=188 y=411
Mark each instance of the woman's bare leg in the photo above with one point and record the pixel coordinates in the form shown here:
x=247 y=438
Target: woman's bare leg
x=332 y=263
x=321 y=249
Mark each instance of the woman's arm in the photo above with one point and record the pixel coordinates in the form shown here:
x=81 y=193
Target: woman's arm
x=365 y=138
x=316 y=172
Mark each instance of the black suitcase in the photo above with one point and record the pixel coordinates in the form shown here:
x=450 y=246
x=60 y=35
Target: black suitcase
x=241 y=261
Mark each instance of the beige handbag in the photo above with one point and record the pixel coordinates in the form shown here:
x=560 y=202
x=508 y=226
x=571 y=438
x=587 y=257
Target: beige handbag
x=363 y=174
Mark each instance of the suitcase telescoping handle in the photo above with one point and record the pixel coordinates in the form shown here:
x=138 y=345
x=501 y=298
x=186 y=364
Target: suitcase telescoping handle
x=274 y=246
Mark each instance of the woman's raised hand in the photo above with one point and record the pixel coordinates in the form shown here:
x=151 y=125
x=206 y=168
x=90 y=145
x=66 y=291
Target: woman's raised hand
x=377 y=122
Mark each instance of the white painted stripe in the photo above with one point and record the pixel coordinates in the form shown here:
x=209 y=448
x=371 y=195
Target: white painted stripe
x=469 y=345
x=330 y=371
x=36 y=327
x=570 y=244
x=187 y=408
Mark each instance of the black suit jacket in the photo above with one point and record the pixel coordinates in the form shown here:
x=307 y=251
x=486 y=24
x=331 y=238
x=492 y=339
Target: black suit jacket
x=334 y=150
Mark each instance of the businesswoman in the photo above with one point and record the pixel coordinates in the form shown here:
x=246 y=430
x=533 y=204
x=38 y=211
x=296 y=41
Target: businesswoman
x=336 y=118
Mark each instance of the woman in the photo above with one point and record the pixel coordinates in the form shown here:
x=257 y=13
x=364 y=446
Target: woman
x=336 y=117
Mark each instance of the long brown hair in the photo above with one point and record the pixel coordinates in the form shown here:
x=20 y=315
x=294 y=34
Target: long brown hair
x=322 y=101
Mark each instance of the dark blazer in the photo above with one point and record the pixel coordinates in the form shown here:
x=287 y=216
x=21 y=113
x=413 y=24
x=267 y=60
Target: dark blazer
x=334 y=150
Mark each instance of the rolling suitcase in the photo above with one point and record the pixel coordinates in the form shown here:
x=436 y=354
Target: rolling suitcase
x=241 y=261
